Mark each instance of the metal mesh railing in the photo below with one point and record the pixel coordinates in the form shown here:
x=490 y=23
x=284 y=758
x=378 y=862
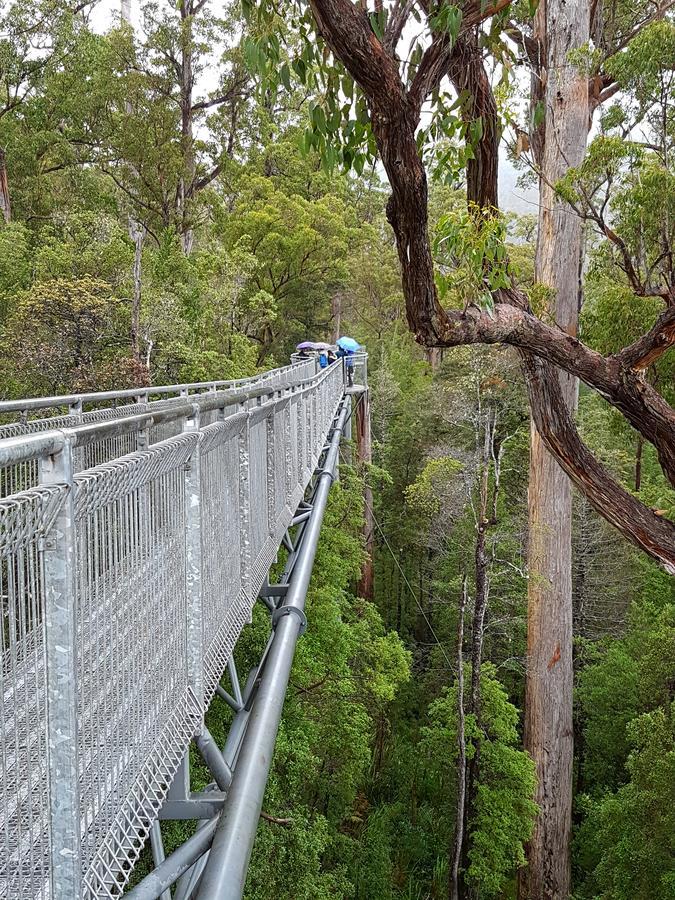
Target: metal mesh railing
x=49 y=414
x=125 y=582
x=25 y=519
x=357 y=362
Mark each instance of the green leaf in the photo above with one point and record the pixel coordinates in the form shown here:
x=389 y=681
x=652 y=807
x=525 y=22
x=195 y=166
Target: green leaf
x=453 y=22
x=299 y=66
x=318 y=117
x=378 y=23
x=487 y=303
x=285 y=74
x=538 y=113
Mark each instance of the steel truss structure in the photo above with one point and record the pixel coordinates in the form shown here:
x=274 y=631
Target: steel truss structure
x=213 y=863
x=133 y=546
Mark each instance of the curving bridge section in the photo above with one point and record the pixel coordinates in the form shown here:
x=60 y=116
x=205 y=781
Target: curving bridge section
x=137 y=529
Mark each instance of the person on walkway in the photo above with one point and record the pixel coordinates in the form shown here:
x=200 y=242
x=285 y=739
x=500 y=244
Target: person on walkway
x=323 y=359
x=348 y=356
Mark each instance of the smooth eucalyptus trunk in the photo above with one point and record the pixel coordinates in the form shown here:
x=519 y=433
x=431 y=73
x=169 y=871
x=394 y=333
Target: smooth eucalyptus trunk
x=186 y=185
x=137 y=234
x=560 y=93
x=364 y=452
x=458 y=837
x=5 y=205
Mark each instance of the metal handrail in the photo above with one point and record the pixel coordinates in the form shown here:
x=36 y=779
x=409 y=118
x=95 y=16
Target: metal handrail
x=78 y=400
x=23 y=448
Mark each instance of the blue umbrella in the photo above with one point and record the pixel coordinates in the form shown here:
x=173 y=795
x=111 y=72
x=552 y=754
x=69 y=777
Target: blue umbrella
x=348 y=343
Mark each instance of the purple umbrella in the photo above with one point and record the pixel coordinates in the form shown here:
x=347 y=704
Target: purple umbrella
x=306 y=345
x=322 y=345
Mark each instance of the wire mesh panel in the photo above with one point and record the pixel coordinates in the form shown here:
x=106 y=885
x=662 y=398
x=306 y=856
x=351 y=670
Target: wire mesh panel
x=136 y=715
x=282 y=461
x=116 y=405
x=23 y=475
x=258 y=480
x=24 y=815
x=295 y=466
x=225 y=608
x=360 y=373
x=112 y=446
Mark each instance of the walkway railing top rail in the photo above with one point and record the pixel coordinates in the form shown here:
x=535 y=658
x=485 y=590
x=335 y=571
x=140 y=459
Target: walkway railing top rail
x=143 y=394
x=108 y=443
x=357 y=362
x=124 y=586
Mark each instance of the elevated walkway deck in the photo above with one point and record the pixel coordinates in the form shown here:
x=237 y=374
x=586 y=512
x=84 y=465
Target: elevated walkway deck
x=137 y=530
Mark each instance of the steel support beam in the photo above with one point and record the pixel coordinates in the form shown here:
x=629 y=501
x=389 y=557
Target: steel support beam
x=158 y=881
x=225 y=874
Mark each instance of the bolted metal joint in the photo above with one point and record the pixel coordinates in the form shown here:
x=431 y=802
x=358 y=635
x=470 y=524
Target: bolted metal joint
x=282 y=611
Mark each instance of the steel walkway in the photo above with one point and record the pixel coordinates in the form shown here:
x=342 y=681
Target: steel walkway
x=137 y=529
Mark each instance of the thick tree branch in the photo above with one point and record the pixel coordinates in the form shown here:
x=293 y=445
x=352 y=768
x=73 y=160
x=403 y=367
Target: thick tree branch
x=613 y=377
x=641 y=525
x=233 y=92
x=396 y=23
x=346 y=29
x=434 y=64
x=625 y=40
x=648 y=348
x=467 y=74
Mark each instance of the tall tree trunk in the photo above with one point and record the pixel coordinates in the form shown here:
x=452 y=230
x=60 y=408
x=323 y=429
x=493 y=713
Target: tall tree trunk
x=186 y=185
x=482 y=563
x=336 y=314
x=458 y=837
x=560 y=95
x=486 y=517
x=5 y=205
x=364 y=453
x=137 y=234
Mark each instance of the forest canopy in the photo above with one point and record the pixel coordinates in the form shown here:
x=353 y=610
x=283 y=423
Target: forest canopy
x=190 y=189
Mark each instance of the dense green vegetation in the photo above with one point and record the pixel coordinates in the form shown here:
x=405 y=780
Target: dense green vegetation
x=250 y=242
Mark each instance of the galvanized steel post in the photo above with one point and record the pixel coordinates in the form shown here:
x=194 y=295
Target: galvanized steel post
x=61 y=655
x=193 y=563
